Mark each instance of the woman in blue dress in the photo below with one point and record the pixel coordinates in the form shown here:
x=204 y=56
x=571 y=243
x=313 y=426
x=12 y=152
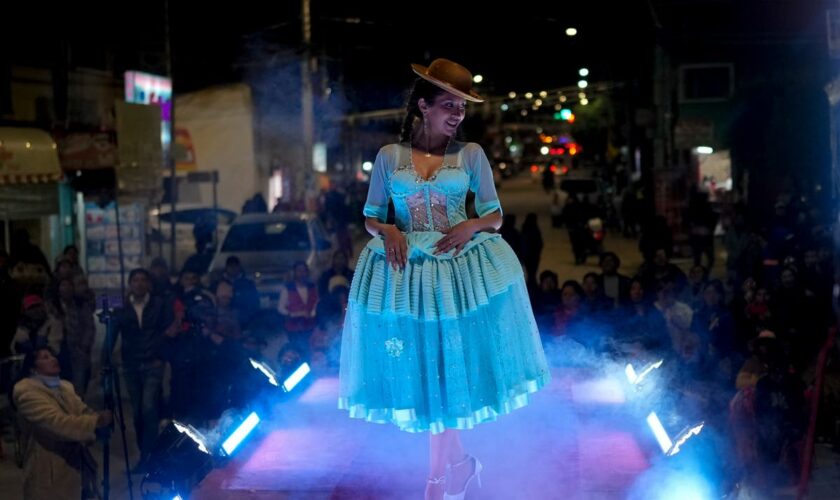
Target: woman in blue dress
x=439 y=334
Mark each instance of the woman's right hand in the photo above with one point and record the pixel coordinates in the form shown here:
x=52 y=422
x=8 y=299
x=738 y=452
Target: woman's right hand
x=396 y=248
x=105 y=418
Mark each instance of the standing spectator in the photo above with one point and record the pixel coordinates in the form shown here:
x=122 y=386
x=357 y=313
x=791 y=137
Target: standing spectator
x=71 y=253
x=246 y=299
x=532 y=245
x=192 y=307
x=36 y=328
x=56 y=427
x=548 y=179
x=26 y=252
x=227 y=317
x=511 y=235
x=79 y=331
x=339 y=268
x=9 y=306
x=161 y=283
x=297 y=304
x=656 y=235
x=702 y=221
x=546 y=301
x=144 y=323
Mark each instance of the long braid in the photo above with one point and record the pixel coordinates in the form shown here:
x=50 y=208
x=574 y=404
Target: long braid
x=421 y=90
x=412 y=111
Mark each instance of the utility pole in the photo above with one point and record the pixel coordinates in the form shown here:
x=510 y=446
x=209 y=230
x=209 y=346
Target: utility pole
x=307 y=67
x=168 y=158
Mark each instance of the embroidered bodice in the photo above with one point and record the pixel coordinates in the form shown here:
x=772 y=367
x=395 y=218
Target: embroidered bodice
x=436 y=203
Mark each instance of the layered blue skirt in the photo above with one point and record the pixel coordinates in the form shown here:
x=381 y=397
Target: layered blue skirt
x=446 y=343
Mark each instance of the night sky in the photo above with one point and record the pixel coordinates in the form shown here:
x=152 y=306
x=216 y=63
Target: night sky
x=368 y=45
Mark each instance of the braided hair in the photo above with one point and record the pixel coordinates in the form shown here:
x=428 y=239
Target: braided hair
x=421 y=90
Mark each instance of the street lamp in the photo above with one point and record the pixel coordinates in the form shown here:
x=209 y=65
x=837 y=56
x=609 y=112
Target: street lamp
x=478 y=79
x=583 y=84
x=583 y=72
x=571 y=32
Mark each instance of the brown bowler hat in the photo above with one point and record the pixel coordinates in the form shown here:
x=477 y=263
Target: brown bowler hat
x=450 y=76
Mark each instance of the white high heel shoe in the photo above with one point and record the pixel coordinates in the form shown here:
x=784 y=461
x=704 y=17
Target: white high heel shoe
x=477 y=467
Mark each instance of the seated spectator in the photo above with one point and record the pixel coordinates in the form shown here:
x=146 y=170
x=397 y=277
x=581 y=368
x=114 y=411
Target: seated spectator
x=640 y=327
x=595 y=303
x=339 y=268
x=614 y=285
x=56 y=428
x=546 y=301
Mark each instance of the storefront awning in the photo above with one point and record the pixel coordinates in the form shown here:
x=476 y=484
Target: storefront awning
x=27 y=156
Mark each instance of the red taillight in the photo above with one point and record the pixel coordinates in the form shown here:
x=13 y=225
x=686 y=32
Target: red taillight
x=554 y=168
x=534 y=168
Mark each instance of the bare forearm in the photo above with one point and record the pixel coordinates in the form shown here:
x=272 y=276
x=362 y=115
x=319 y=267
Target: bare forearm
x=490 y=222
x=374 y=227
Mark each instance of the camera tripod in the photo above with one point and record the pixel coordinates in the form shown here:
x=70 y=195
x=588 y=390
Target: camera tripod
x=113 y=402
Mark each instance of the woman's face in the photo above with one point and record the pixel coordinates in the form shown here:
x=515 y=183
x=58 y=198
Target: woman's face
x=570 y=297
x=637 y=293
x=46 y=364
x=444 y=114
x=548 y=284
x=65 y=290
x=590 y=286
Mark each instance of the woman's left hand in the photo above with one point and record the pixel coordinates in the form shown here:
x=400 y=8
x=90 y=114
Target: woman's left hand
x=455 y=237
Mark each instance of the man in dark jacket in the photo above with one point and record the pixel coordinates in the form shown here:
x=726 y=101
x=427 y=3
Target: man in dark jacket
x=144 y=323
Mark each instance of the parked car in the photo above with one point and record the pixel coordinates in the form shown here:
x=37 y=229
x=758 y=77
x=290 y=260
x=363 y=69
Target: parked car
x=159 y=235
x=268 y=245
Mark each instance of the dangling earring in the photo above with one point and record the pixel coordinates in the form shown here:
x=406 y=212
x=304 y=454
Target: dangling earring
x=426 y=133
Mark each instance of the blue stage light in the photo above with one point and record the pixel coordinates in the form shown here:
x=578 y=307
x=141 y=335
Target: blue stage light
x=295 y=378
x=659 y=433
x=240 y=433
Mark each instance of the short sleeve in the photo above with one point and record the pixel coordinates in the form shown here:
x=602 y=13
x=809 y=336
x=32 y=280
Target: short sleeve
x=377 y=199
x=482 y=184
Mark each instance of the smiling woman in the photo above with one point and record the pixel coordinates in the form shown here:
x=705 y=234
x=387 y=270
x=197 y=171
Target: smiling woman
x=439 y=334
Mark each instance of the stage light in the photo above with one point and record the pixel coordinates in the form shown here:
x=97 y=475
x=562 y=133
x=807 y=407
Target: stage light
x=193 y=434
x=684 y=436
x=266 y=370
x=637 y=379
x=659 y=433
x=180 y=454
x=669 y=447
x=296 y=376
x=242 y=431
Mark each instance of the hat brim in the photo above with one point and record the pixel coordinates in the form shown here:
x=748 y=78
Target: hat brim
x=422 y=73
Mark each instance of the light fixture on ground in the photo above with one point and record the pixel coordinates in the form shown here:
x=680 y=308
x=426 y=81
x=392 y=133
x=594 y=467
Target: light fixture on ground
x=635 y=378
x=671 y=447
